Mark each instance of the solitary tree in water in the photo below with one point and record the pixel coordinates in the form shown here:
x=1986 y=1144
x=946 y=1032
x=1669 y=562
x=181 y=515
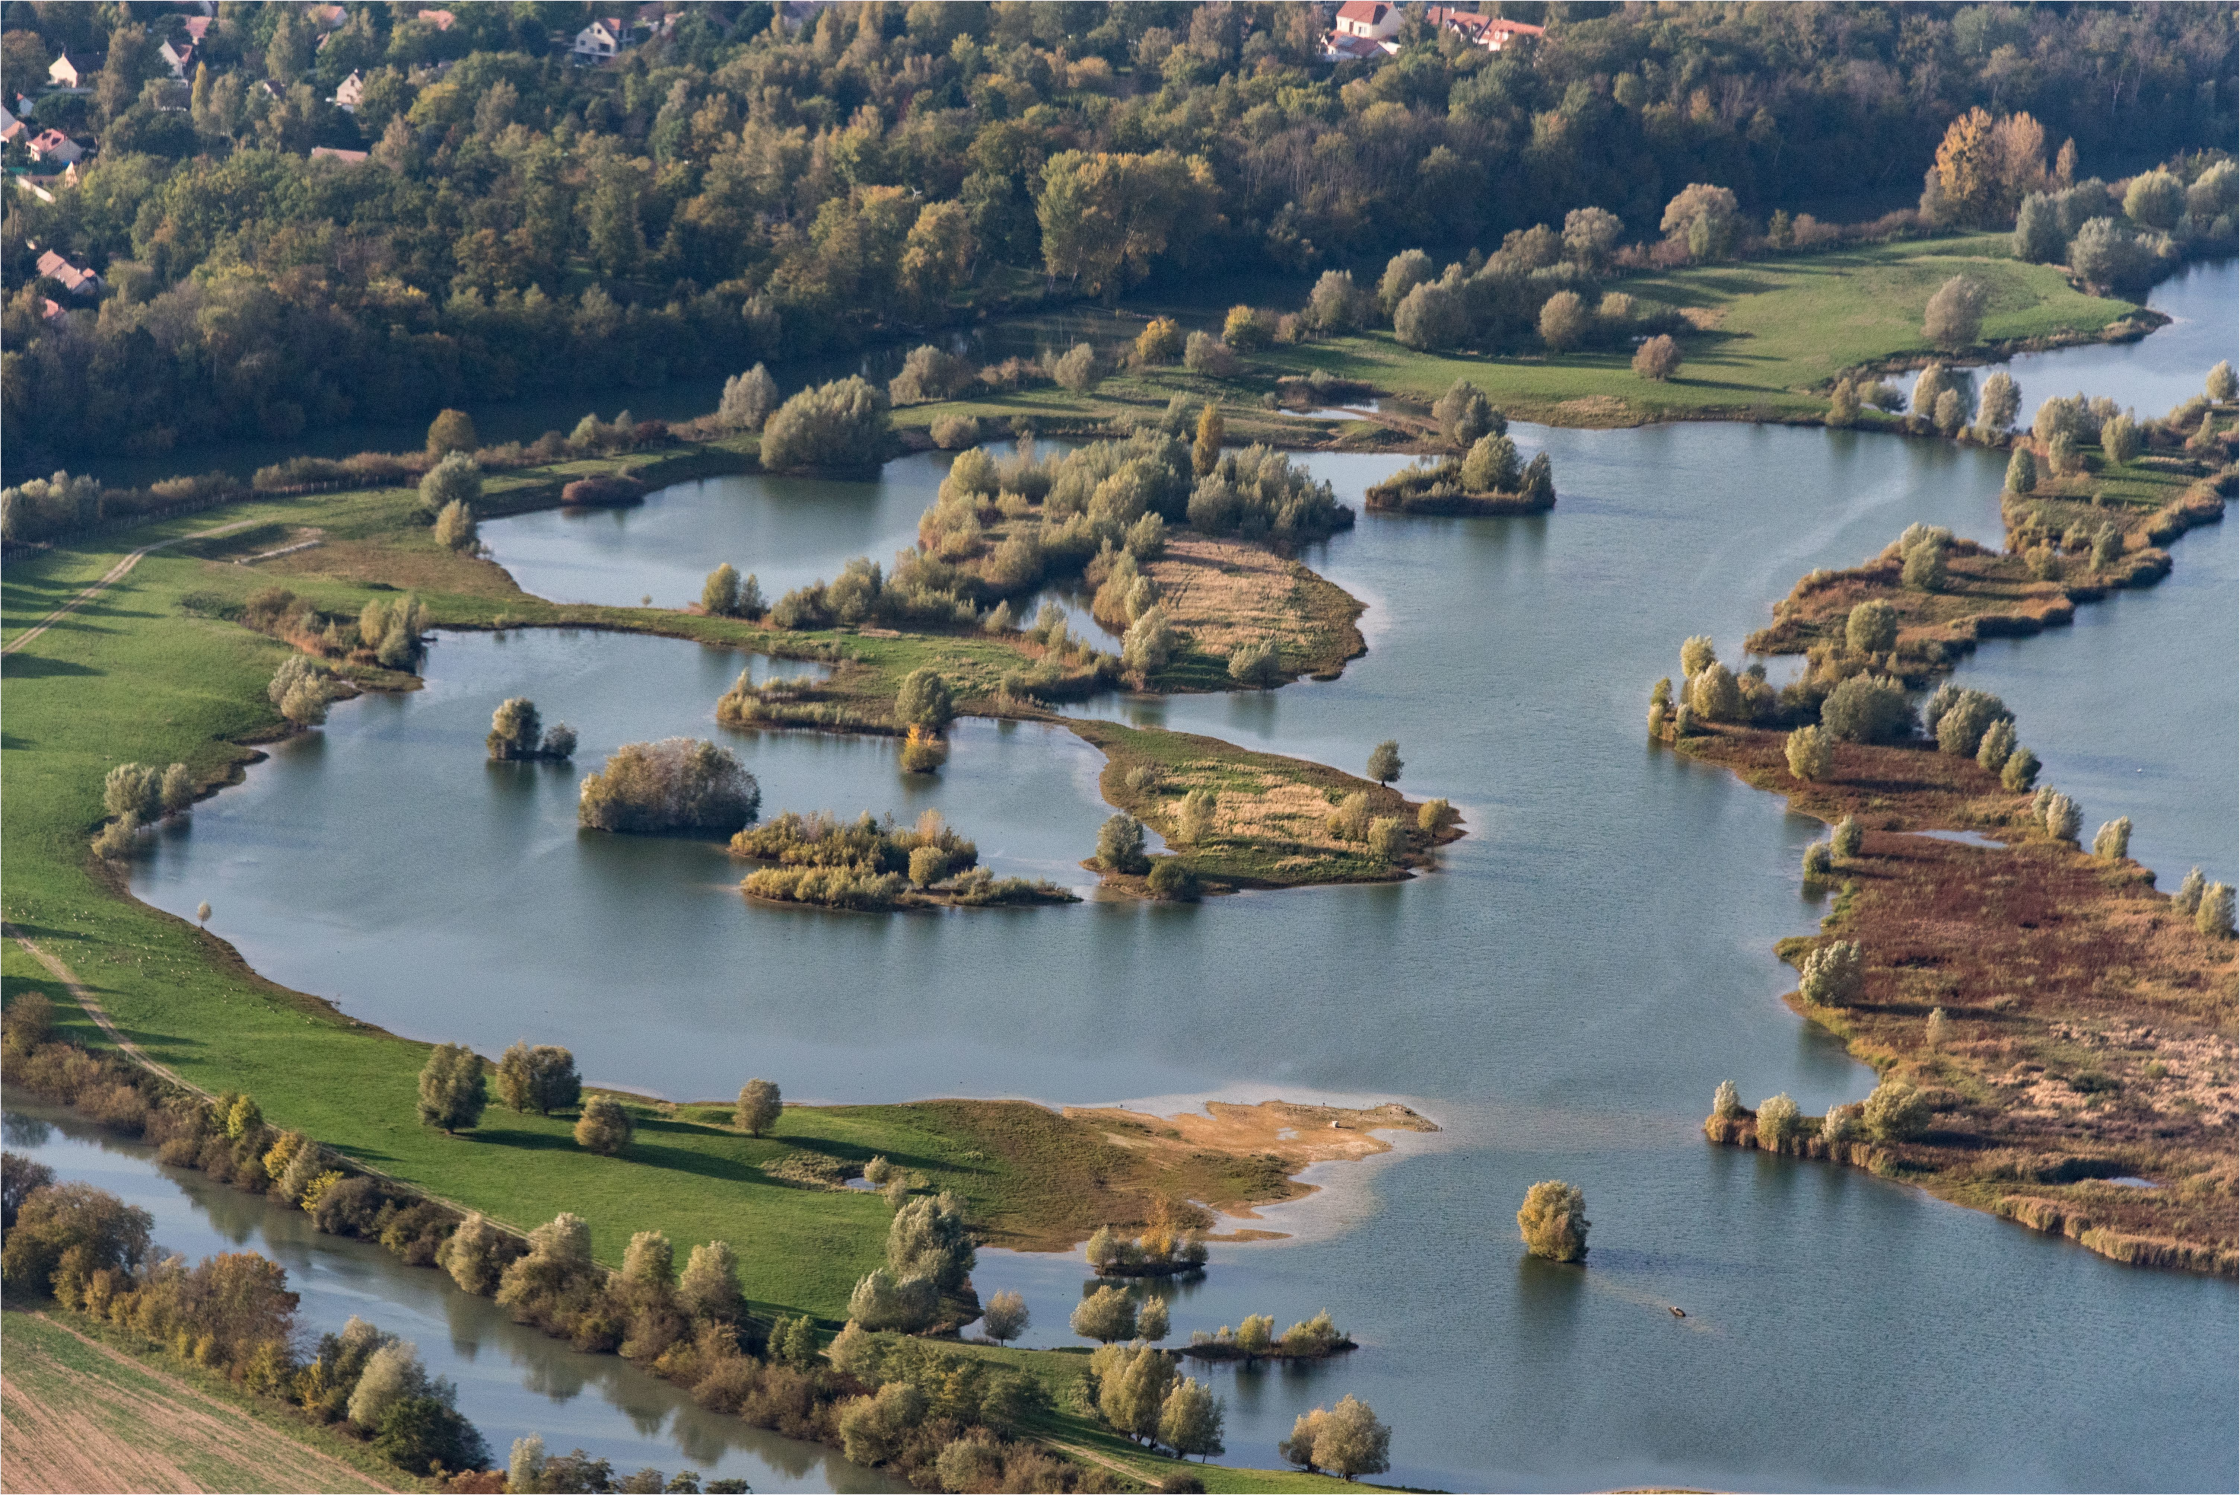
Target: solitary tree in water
x=1384 y=761
x=1554 y=1221
x=924 y=701
x=452 y=1093
x=759 y=1107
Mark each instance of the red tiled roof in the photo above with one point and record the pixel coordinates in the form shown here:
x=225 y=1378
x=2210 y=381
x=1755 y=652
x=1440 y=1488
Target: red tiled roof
x=1370 y=11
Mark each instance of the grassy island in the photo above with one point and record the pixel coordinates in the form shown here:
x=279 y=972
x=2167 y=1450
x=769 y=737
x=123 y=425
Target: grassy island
x=2057 y=1039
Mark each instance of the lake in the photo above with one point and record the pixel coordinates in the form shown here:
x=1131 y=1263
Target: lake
x=1562 y=995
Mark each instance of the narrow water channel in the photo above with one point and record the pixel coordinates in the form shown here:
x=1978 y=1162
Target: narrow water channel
x=512 y=1380
x=1562 y=996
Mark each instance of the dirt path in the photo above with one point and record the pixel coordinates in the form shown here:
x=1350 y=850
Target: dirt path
x=110 y=578
x=77 y=1415
x=84 y=997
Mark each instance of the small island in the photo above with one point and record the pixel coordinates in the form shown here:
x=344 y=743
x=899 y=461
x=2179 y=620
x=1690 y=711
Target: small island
x=872 y=866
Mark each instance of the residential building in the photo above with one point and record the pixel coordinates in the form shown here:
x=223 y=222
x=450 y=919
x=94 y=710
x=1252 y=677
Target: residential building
x=85 y=284
x=350 y=92
x=179 y=57
x=599 y=41
x=442 y=20
x=11 y=128
x=74 y=72
x=1368 y=20
x=53 y=148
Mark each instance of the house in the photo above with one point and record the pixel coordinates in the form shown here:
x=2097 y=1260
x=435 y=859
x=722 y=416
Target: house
x=198 y=27
x=1368 y=20
x=599 y=41
x=52 y=147
x=1490 y=32
x=795 y=14
x=82 y=283
x=442 y=20
x=74 y=72
x=11 y=128
x=330 y=153
x=51 y=312
x=179 y=57
x=1352 y=48
x=350 y=92
x=327 y=17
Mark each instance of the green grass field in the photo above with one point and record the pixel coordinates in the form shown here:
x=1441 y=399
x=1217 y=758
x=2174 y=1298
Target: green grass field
x=1772 y=335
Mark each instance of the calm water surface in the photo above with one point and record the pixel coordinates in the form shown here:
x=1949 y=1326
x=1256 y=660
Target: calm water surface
x=1562 y=996
x=512 y=1381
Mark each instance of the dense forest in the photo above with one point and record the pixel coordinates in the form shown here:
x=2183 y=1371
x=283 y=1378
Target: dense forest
x=729 y=188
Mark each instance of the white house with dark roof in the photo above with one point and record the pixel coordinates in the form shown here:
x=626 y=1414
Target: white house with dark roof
x=602 y=39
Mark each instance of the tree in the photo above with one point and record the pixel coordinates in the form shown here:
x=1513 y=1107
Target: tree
x=1132 y=1385
x=451 y=431
x=748 y=399
x=1564 y=321
x=1258 y=665
x=1202 y=353
x=1076 y=369
x=1351 y=1441
x=2038 y=239
x=92 y=1227
x=1160 y=342
x=1955 y=316
x=2155 y=199
x=604 y=1127
x=1206 y=453
x=2022 y=471
x=1554 y=1221
x=924 y=701
x=1777 y=1122
x=2113 y=842
x=2222 y=383
x=1465 y=415
x=2215 y=915
x=1702 y=217
x=455 y=527
x=2064 y=819
x=452 y=1091
x=1726 y=1101
x=1336 y=303
x=1402 y=274
x=842 y=424
x=1384 y=762
x=1149 y=643
x=1491 y=466
x=759 y=1108
x=1588 y=236
x=1866 y=708
x=1106 y=1315
x=1244 y=329
x=709 y=1288
x=454 y=480
x=2000 y=403
x=1432 y=317
x=719 y=594
x=1896 y=1112
x=474 y=1255
x=676 y=784
x=1190 y=1419
x=1004 y=1317
x=1966 y=169
x=2020 y=771
x=1834 y=974
x=1658 y=358
x=928 y=1238
x=1106 y=217
x=516 y=730
x=2119 y=439
x=1871 y=629
x=1811 y=756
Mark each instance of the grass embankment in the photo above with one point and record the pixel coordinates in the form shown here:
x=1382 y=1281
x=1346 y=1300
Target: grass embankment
x=1770 y=336
x=2089 y=1026
x=1271 y=818
x=86 y=1408
x=1996 y=594
x=132 y=677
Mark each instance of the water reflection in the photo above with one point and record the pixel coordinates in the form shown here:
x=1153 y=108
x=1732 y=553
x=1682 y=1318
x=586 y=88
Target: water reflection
x=525 y=1383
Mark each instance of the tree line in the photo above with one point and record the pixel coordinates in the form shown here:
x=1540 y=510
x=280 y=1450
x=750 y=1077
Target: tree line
x=733 y=190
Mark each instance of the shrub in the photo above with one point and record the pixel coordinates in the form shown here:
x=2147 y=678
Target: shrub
x=840 y=424
x=475 y=1255
x=719 y=594
x=2187 y=900
x=1958 y=717
x=2214 y=916
x=1159 y=342
x=928 y=373
x=1434 y=816
x=1004 y=1317
x=1172 y=882
x=2112 y=843
x=516 y=731
x=1834 y=975
x=1696 y=655
x=455 y=529
x=1847 y=837
x=1431 y=317
x=1554 y=1221
x=1205 y=453
x=1245 y=329
x=1818 y=861
x=1726 y=1102
x=1713 y=693
x=2020 y=770
x=955 y=432
x=1257 y=665
x=1149 y=643
x=1076 y=369
x=1867 y=708
x=676 y=784
x=1120 y=845
x=2119 y=439
x=1777 y=1122
x=1811 y=755
x=1336 y=304
x=760 y=1105
x=1384 y=762
x=451 y=431
x=452 y=1092
x=1388 y=839
x=1106 y=1315
x=1997 y=745
x=1659 y=359
x=454 y=480
x=1491 y=466
x=604 y=1127
x=1872 y=627
x=1465 y=414
x=2063 y=819
x=748 y=399
x=1843 y=404
x=1209 y=356
x=1564 y=321
x=924 y=701
x=1954 y=318
x=2222 y=383
x=1896 y=1112
x=1924 y=569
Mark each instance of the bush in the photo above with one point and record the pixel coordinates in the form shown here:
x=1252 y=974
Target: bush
x=1811 y=756
x=1388 y=840
x=841 y=424
x=1120 y=845
x=748 y=399
x=1160 y=342
x=1076 y=369
x=604 y=1127
x=676 y=784
x=2020 y=770
x=1245 y=329
x=1834 y=975
x=1564 y=321
x=2063 y=819
x=954 y=433
x=1430 y=318
x=1818 y=861
x=1996 y=747
x=1954 y=318
x=1777 y=1122
x=1434 y=816
x=452 y=1091
x=2187 y=900
x=1872 y=628
x=928 y=373
x=1209 y=356
x=451 y=431
x=1149 y=644
x=1958 y=718
x=2214 y=916
x=1896 y=1112
x=2112 y=843
x=1257 y=665
x=1491 y=466
x=1172 y=882
x=1465 y=414
x=455 y=529
x=2119 y=439
x=1336 y=303
x=1847 y=837
x=2222 y=383
x=1106 y=1315
x=760 y=1105
x=1659 y=359
x=1867 y=708
x=454 y=480
x=1554 y=1221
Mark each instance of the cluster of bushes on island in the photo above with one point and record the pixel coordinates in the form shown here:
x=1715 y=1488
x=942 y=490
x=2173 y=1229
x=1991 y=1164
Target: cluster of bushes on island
x=1255 y=1339
x=1172 y=1246
x=872 y=865
x=390 y=634
x=1487 y=477
x=675 y=786
x=518 y=735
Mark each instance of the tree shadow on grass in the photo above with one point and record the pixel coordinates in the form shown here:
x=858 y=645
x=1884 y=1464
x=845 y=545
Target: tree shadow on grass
x=39 y=667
